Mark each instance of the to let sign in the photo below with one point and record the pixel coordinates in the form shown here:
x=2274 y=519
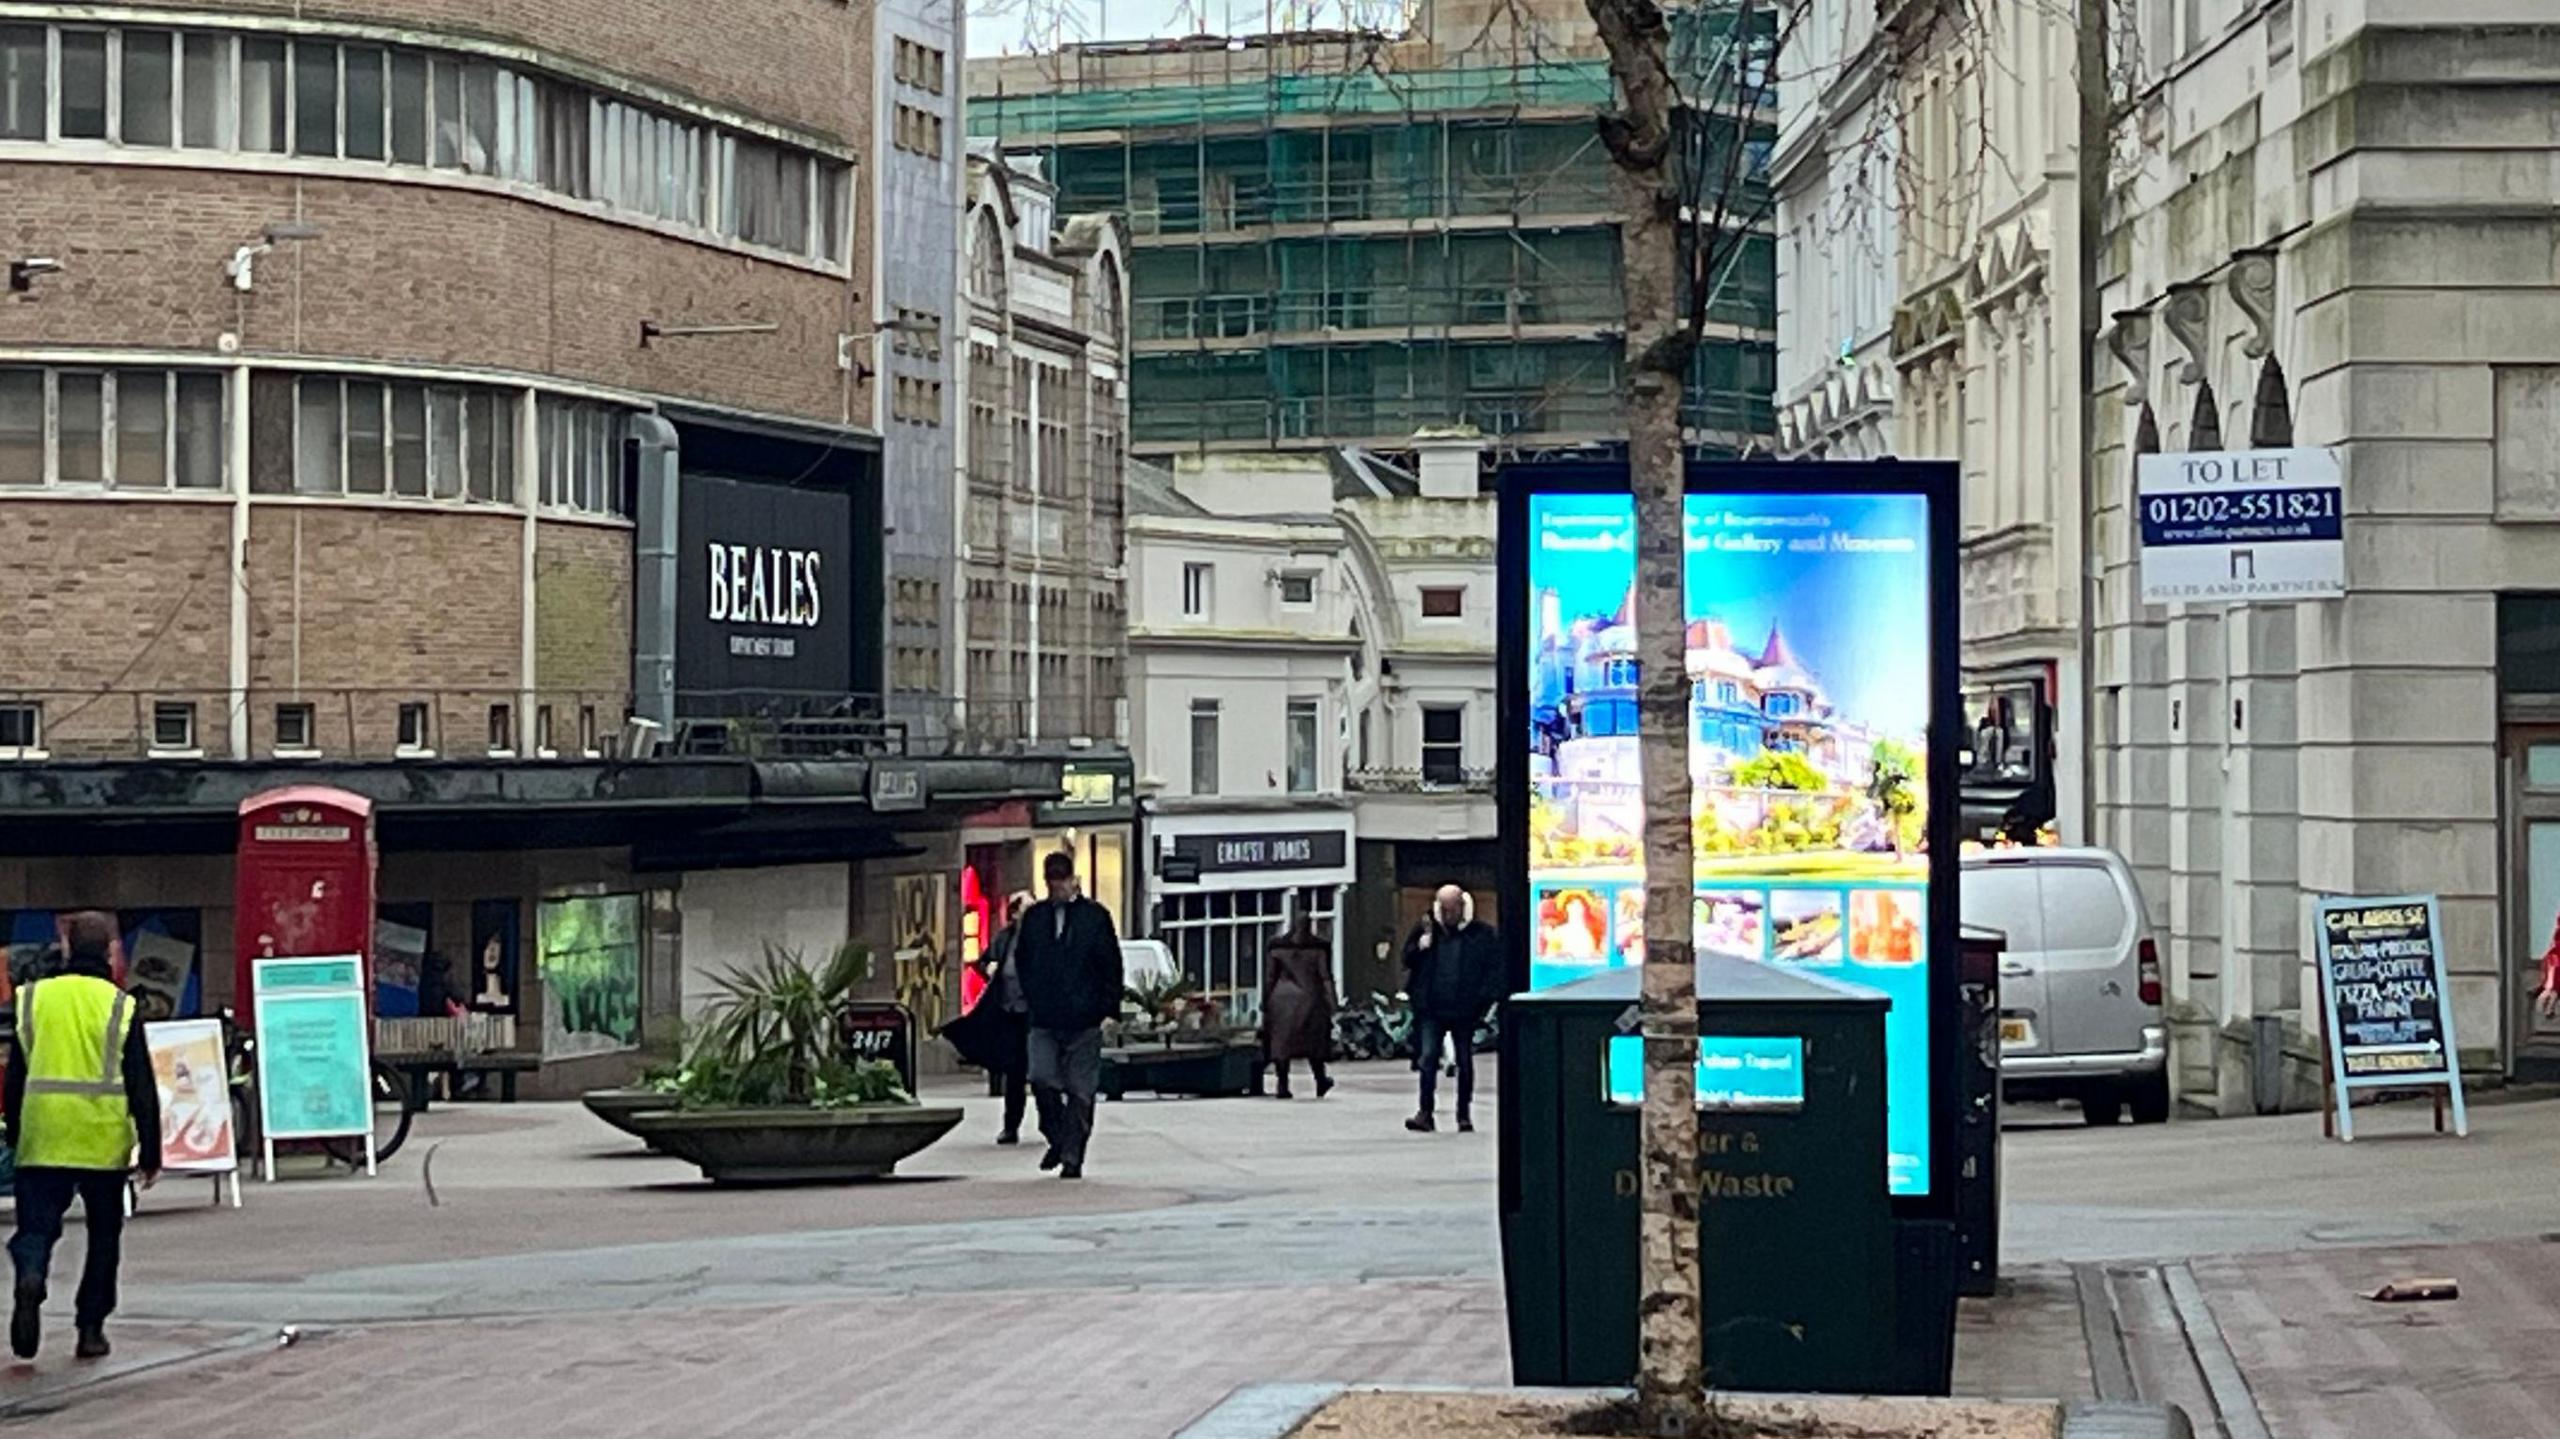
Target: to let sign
x=2233 y=525
x=2382 y=992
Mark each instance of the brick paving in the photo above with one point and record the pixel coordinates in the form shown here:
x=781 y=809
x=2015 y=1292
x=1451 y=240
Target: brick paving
x=1232 y=1244
x=2325 y=1362
x=1082 y=1365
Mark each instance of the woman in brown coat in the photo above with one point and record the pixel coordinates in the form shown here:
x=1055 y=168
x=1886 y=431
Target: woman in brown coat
x=1298 y=1004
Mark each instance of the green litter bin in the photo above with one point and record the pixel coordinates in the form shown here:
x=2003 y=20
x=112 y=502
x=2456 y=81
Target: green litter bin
x=1797 y=1233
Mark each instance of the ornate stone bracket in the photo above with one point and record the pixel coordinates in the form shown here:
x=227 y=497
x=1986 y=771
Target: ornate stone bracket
x=2190 y=312
x=2253 y=288
x=2130 y=341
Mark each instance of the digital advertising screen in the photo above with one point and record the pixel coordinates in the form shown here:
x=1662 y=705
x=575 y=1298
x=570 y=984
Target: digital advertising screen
x=1811 y=684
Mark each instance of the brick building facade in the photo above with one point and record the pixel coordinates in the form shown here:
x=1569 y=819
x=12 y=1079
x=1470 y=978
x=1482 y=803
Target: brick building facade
x=369 y=355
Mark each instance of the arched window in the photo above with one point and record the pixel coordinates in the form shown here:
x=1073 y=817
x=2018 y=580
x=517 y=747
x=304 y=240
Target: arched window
x=986 y=259
x=1107 y=301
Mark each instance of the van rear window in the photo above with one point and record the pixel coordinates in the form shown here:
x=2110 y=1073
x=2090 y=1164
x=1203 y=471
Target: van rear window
x=2083 y=909
x=2003 y=897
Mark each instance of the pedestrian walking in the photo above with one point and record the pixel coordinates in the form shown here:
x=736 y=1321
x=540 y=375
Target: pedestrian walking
x=83 y=1111
x=1453 y=977
x=1069 y=957
x=1298 y=1002
x=995 y=1034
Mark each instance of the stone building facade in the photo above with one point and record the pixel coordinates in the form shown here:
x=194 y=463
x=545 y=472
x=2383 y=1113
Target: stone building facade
x=1042 y=479
x=2333 y=224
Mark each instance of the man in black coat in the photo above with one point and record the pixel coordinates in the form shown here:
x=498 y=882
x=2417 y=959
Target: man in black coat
x=1068 y=955
x=1453 y=976
x=995 y=1034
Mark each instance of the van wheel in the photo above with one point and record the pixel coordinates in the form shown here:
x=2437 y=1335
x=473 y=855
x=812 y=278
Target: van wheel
x=2150 y=1099
x=2101 y=1107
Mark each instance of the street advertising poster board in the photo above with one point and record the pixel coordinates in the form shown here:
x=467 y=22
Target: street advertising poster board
x=197 y=1133
x=2229 y=525
x=315 y=1053
x=2383 y=998
x=1820 y=652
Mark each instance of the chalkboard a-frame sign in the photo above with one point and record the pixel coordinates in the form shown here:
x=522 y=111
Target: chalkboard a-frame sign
x=2388 y=1018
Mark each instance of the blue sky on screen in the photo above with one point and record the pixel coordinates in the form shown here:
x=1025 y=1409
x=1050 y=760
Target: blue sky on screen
x=1858 y=620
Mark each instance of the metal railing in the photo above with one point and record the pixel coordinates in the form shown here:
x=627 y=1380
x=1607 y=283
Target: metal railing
x=1429 y=780
x=419 y=725
x=310 y=722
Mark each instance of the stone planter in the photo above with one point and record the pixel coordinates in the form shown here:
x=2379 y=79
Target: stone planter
x=1276 y=1411
x=794 y=1146
x=1210 y=1068
x=617 y=1106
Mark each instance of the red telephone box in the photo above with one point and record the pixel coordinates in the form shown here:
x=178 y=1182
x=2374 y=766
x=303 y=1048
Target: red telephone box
x=303 y=882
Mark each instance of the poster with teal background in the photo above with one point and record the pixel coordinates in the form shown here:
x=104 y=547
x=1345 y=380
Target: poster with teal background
x=1809 y=668
x=315 y=1062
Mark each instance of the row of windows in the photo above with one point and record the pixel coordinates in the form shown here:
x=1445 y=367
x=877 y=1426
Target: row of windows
x=132 y=429
x=1298 y=588
x=916 y=402
x=297 y=730
x=917 y=332
x=308 y=435
x=360 y=436
x=255 y=94
x=919 y=131
x=920 y=65
x=1444 y=732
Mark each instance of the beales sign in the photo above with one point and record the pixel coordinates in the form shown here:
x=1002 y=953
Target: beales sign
x=764 y=574
x=756 y=586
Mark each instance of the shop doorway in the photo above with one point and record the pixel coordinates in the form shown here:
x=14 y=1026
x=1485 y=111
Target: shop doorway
x=2531 y=760
x=1219 y=936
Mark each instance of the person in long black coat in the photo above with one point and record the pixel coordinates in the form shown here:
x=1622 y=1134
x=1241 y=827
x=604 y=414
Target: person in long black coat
x=995 y=1034
x=1297 y=1005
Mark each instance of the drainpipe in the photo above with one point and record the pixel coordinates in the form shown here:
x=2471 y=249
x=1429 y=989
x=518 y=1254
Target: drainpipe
x=237 y=400
x=653 y=580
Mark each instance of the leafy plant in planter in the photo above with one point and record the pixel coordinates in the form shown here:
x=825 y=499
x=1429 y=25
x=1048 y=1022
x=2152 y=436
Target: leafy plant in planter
x=770 y=1039
x=766 y=1094
x=1159 y=995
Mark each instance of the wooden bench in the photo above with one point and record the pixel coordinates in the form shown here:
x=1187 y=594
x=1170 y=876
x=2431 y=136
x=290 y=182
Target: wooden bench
x=417 y=1067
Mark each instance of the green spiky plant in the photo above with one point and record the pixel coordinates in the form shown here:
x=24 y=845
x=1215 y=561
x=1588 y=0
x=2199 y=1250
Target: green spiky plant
x=769 y=1039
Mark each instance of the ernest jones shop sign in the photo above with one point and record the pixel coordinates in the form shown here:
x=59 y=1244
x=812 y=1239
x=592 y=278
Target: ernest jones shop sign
x=1246 y=853
x=764 y=584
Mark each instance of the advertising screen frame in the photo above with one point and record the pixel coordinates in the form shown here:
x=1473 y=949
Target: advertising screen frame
x=1936 y=483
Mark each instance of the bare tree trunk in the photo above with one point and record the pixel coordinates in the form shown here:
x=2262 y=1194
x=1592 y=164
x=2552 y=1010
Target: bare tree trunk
x=1670 y=1381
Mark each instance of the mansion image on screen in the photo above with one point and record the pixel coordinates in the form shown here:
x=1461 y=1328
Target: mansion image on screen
x=1742 y=701
x=1807 y=657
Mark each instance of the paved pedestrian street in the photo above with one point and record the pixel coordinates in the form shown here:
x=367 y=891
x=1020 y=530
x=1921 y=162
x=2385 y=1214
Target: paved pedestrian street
x=558 y=1281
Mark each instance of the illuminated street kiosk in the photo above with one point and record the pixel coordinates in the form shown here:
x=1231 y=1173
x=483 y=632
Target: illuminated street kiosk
x=1820 y=645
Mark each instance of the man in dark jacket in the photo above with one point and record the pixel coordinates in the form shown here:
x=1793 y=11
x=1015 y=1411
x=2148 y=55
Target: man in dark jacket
x=995 y=1033
x=1068 y=956
x=1453 y=975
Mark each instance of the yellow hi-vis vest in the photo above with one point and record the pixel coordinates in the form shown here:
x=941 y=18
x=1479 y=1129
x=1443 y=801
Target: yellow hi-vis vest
x=72 y=1028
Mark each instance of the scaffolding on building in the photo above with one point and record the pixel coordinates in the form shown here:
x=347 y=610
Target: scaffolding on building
x=1340 y=237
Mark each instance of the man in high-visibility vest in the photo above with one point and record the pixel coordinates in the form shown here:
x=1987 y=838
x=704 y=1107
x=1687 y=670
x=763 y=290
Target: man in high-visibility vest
x=83 y=1111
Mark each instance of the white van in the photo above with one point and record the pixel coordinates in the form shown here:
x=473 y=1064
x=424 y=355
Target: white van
x=1142 y=960
x=2080 y=1000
